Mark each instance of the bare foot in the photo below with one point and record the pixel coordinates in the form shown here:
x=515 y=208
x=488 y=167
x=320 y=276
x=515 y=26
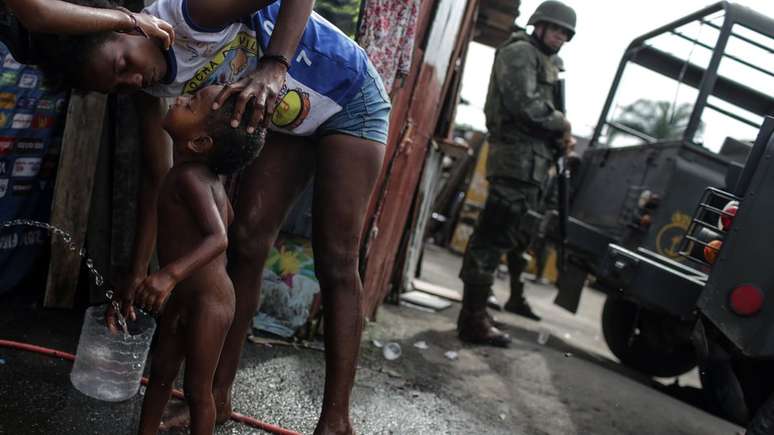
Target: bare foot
x=341 y=428
x=176 y=416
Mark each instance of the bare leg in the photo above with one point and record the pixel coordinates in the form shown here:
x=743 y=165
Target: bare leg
x=204 y=336
x=269 y=187
x=347 y=168
x=165 y=364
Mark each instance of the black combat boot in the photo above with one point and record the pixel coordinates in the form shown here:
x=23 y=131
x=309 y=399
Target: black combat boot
x=474 y=324
x=517 y=303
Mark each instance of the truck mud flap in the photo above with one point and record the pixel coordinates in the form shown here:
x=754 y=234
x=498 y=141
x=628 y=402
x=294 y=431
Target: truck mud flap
x=570 y=285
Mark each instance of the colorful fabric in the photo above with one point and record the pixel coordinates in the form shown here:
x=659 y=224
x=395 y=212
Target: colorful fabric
x=387 y=33
x=32 y=120
x=289 y=287
x=326 y=72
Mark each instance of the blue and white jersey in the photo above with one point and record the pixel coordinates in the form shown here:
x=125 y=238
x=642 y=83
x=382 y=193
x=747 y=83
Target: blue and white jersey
x=326 y=72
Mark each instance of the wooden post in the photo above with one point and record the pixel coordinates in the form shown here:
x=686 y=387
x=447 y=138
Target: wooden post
x=126 y=183
x=72 y=193
x=98 y=228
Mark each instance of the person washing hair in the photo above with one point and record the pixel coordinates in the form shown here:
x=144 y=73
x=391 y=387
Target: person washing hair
x=327 y=111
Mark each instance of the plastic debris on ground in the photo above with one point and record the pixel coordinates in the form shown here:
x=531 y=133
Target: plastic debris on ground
x=264 y=322
x=543 y=336
x=391 y=351
x=270 y=342
x=421 y=345
x=452 y=355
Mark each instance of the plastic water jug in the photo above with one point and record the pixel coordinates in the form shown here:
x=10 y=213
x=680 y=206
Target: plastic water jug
x=109 y=366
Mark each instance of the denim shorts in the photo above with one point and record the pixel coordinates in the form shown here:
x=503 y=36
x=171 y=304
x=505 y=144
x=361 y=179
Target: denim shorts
x=366 y=115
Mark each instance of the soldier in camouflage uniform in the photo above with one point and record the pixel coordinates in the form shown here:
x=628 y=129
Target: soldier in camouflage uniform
x=527 y=129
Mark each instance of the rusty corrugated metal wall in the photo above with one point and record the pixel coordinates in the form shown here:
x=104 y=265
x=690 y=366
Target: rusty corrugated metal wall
x=443 y=31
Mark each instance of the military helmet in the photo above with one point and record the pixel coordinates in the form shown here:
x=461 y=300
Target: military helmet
x=556 y=12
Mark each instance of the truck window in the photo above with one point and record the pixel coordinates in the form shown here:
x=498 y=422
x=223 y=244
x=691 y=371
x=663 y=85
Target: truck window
x=746 y=63
x=652 y=105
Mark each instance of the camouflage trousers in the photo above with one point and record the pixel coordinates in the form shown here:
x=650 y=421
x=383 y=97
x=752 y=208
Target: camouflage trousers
x=498 y=232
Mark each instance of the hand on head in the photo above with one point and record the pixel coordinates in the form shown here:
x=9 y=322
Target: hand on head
x=262 y=86
x=152 y=27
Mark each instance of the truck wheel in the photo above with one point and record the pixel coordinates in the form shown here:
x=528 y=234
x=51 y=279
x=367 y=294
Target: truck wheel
x=646 y=342
x=763 y=421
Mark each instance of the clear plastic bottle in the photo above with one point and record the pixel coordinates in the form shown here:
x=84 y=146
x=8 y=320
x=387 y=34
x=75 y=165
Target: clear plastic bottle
x=109 y=366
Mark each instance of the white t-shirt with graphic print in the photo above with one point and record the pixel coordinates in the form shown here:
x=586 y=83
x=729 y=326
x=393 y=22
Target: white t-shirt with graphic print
x=326 y=71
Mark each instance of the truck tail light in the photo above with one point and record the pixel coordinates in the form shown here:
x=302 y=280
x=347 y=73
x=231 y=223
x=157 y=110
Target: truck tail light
x=746 y=300
x=727 y=217
x=712 y=250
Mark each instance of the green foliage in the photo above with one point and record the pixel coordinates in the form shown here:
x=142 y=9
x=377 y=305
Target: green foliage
x=342 y=13
x=657 y=119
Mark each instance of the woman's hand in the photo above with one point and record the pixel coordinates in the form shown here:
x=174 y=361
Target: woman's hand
x=125 y=296
x=262 y=86
x=151 y=27
x=154 y=291
x=156 y=28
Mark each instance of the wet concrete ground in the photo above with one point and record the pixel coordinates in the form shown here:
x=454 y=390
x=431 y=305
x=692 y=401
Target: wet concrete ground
x=563 y=387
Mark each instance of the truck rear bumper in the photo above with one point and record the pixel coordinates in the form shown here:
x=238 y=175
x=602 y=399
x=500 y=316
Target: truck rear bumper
x=649 y=279
x=652 y=280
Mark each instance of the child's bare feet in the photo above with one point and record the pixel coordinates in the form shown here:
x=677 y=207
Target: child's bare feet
x=176 y=416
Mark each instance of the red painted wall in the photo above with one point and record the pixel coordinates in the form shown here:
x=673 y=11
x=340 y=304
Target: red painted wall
x=443 y=30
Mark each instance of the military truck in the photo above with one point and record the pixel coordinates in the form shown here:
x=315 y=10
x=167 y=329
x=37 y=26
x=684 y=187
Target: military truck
x=729 y=236
x=686 y=104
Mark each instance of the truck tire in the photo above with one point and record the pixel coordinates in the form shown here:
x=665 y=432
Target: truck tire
x=763 y=421
x=645 y=342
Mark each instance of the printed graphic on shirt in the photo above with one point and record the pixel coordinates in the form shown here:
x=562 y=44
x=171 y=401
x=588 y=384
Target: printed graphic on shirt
x=7 y=100
x=43 y=121
x=23 y=188
x=227 y=64
x=26 y=166
x=28 y=80
x=25 y=146
x=8 y=78
x=21 y=121
x=10 y=63
x=293 y=108
x=6 y=144
x=26 y=103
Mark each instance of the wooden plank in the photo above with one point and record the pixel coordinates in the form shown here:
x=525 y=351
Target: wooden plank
x=425 y=300
x=436 y=290
x=126 y=184
x=99 y=221
x=72 y=193
x=423 y=207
